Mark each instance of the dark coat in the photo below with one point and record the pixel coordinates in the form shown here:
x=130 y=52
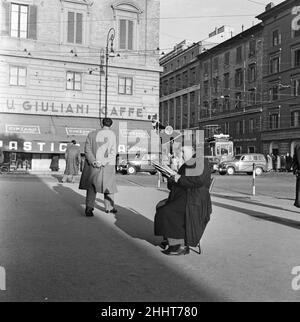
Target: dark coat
x=73 y=158
x=188 y=209
x=296 y=169
x=54 y=165
x=289 y=162
x=100 y=146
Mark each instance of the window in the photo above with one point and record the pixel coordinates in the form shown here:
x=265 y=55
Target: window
x=238 y=127
x=185 y=77
x=178 y=82
x=276 y=38
x=239 y=54
x=126 y=84
x=238 y=100
x=251 y=125
x=252 y=73
x=215 y=106
x=205 y=109
x=274 y=93
x=172 y=85
x=193 y=77
x=226 y=81
x=74 y=81
x=227 y=59
x=19 y=20
x=206 y=69
x=295 y=118
x=215 y=84
x=296 y=87
x=165 y=88
x=239 y=77
x=252 y=48
x=126 y=34
x=226 y=128
x=274 y=121
x=274 y=65
x=251 y=149
x=206 y=87
x=17 y=76
x=252 y=97
x=216 y=63
x=226 y=105
x=74 y=27
x=296 y=56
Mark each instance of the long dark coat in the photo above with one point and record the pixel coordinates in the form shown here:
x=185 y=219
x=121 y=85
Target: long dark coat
x=73 y=158
x=100 y=146
x=289 y=162
x=188 y=208
x=296 y=169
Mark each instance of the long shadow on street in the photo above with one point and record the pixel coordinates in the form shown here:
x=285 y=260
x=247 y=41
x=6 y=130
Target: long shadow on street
x=53 y=252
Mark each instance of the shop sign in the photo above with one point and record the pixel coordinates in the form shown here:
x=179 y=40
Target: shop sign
x=24 y=129
x=67 y=109
x=125 y=133
x=78 y=131
x=34 y=146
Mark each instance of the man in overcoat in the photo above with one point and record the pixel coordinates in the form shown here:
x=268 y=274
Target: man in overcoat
x=72 y=157
x=296 y=170
x=183 y=218
x=99 y=172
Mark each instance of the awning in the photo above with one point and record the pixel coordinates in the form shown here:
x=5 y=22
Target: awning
x=51 y=134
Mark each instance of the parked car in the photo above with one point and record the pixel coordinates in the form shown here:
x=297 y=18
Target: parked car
x=138 y=163
x=244 y=164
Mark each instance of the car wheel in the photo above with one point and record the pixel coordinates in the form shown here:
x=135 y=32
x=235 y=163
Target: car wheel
x=230 y=171
x=259 y=171
x=131 y=170
x=222 y=173
x=153 y=173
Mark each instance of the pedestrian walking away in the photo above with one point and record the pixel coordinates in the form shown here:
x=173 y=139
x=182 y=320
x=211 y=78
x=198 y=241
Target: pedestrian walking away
x=183 y=217
x=72 y=157
x=296 y=170
x=288 y=162
x=99 y=171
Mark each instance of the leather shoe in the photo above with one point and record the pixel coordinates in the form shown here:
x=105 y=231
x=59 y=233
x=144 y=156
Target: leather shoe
x=89 y=212
x=177 y=250
x=164 y=244
x=113 y=211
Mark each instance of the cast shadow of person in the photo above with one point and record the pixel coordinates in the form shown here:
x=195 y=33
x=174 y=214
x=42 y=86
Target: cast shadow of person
x=131 y=222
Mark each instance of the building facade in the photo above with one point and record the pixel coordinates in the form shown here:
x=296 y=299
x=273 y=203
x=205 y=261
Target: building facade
x=52 y=80
x=281 y=34
x=180 y=81
x=231 y=89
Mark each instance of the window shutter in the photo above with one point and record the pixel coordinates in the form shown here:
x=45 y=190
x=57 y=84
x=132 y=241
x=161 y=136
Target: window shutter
x=79 y=28
x=32 y=22
x=130 y=35
x=5 y=25
x=122 y=34
x=71 y=26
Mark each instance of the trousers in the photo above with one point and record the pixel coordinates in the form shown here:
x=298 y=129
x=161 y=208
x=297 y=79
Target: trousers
x=91 y=194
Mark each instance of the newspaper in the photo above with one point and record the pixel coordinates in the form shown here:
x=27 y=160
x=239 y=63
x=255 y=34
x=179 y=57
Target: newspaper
x=164 y=169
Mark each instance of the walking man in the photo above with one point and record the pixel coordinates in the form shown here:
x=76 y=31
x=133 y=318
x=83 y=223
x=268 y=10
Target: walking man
x=99 y=172
x=296 y=169
x=72 y=157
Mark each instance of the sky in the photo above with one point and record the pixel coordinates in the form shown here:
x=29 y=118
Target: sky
x=195 y=19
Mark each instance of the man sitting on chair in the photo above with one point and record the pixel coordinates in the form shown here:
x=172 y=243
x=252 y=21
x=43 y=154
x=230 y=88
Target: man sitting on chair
x=183 y=218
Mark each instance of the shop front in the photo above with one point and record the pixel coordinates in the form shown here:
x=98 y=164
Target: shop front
x=30 y=142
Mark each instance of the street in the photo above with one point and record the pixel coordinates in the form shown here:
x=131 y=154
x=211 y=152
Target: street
x=51 y=252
